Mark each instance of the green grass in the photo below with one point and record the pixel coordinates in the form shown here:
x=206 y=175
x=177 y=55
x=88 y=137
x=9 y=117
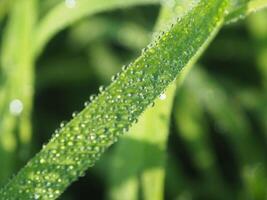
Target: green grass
x=78 y=144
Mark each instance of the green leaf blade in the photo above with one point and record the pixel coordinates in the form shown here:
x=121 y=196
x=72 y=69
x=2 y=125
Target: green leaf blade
x=81 y=142
x=16 y=77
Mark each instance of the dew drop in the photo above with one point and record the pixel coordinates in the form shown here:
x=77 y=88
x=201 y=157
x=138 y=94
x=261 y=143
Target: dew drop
x=36 y=196
x=92 y=97
x=70 y=143
x=16 y=107
x=74 y=114
x=144 y=50
x=162 y=96
x=71 y=167
x=113 y=78
x=62 y=124
x=124 y=67
x=101 y=88
x=70 y=3
x=86 y=103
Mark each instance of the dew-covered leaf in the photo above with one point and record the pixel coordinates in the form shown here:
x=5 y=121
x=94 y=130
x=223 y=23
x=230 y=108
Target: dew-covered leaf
x=78 y=144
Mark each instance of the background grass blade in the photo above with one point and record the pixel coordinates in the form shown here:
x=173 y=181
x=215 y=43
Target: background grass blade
x=242 y=8
x=4 y=7
x=80 y=143
x=144 y=177
x=193 y=131
x=16 y=86
x=62 y=16
x=232 y=124
x=141 y=155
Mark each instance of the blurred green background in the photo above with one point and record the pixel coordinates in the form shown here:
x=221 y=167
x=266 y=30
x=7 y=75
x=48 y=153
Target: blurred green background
x=217 y=147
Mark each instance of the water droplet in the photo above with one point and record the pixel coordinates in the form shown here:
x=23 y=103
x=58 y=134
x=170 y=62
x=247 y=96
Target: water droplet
x=36 y=196
x=86 y=103
x=113 y=78
x=70 y=143
x=101 y=88
x=144 y=50
x=162 y=96
x=70 y=3
x=62 y=124
x=71 y=167
x=74 y=114
x=92 y=97
x=124 y=67
x=16 y=107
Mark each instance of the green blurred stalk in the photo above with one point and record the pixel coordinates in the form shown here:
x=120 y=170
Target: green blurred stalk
x=61 y=16
x=257 y=25
x=233 y=124
x=193 y=131
x=138 y=169
x=4 y=7
x=142 y=165
x=16 y=89
x=145 y=148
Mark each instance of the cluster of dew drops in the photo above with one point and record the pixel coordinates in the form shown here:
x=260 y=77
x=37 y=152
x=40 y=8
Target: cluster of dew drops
x=80 y=147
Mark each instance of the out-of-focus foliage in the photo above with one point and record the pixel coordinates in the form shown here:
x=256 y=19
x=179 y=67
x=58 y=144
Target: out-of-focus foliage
x=16 y=80
x=217 y=144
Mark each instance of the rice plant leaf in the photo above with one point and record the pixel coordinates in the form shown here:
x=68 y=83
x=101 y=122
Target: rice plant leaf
x=78 y=144
x=62 y=16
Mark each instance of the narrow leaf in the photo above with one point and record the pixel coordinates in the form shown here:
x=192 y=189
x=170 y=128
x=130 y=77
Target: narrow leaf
x=77 y=145
x=16 y=84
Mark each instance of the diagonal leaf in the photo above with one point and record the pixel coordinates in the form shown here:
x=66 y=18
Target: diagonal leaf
x=77 y=145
